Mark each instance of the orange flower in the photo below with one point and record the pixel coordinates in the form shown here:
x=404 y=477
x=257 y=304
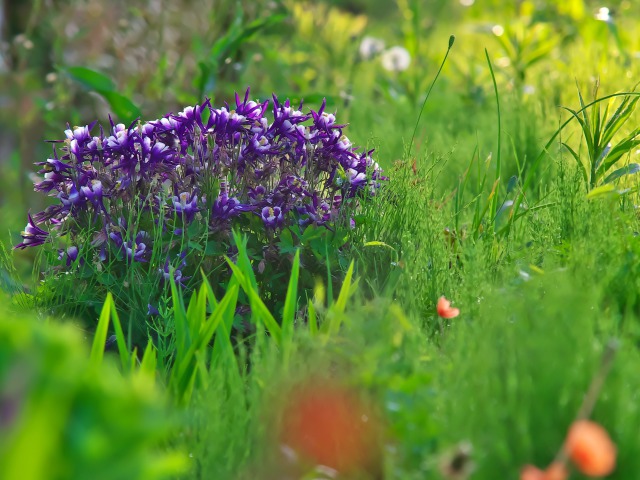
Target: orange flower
x=328 y=424
x=589 y=446
x=445 y=310
x=555 y=471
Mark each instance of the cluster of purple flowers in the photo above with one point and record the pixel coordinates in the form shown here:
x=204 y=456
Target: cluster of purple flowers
x=206 y=165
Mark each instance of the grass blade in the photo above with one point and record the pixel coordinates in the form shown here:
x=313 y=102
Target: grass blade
x=100 y=338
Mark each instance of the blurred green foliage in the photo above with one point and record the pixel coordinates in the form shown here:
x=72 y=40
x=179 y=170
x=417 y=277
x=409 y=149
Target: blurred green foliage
x=64 y=418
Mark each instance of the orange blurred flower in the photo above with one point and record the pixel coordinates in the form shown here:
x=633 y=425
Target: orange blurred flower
x=590 y=448
x=328 y=424
x=445 y=310
x=555 y=471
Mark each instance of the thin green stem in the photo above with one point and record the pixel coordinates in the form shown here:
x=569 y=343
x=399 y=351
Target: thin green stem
x=452 y=39
x=494 y=200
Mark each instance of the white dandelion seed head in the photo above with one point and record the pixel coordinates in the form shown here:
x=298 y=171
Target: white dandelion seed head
x=370 y=47
x=604 y=15
x=396 y=59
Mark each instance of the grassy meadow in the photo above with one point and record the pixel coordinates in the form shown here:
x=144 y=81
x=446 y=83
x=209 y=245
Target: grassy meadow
x=243 y=270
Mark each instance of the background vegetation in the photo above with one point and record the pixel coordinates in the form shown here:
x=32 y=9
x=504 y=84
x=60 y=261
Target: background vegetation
x=515 y=196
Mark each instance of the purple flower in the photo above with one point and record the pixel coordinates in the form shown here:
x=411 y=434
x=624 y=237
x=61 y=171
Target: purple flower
x=274 y=158
x=356 y=179
x=285 y=118
x=71 y=254
x=50 y=181
x=323 y=120
x=79 y=134
x=294 y=186
x=137 y=250
x=93 y=191
x=32 y=236
x=272 y=217
x=257 y=194
x=318 y=212
x=258 y=145
x=54 y=164
x=186 y=205
x=226 y=207
x=178 y=278
x=250 y=109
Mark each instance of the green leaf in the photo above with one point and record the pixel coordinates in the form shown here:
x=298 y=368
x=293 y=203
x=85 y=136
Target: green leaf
x=185 y=370
x=606 y=189
x=340 y=305
x=312 y=319
x=619 y=118
x=180 y=317
x=621 y=172
x=286 y=242
x=251 y=29
x=221 y=46
x=90 y=78
x=258 y=309
x=378 y=244
x=261 y=312
x=122 y=107
x=583 y=168
x=620 y=149
x=290 y=304
x=100 y=338
x=125 y=358
x=149 y=361
x=243 y=259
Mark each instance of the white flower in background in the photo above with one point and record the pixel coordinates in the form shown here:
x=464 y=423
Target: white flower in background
x=498 y=30
x=370 y=47
x=604 y=15
x=396 y=59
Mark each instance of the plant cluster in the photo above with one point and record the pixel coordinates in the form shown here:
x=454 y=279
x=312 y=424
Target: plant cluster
x=168 y=192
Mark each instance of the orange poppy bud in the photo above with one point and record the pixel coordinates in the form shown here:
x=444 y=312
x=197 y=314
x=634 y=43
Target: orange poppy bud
x=328 y=424
x=590 y=448
x=531 y=472
x=555 y=471
x=445 y=310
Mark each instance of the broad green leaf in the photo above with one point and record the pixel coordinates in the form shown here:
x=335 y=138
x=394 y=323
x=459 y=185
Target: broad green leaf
x=378 y=244
x=243 y=262
x=621 y=172
x=258 y=309
x=312 y=319
x=600 y=191
x=91 y=79
x=100 y=337
x=621 y=115
x=122 y=107
x=581 y=166
x=149 y=361
x=125 y=358
x=180 y=317
x=341 y=302
x=184 y=372
x=291 y=300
